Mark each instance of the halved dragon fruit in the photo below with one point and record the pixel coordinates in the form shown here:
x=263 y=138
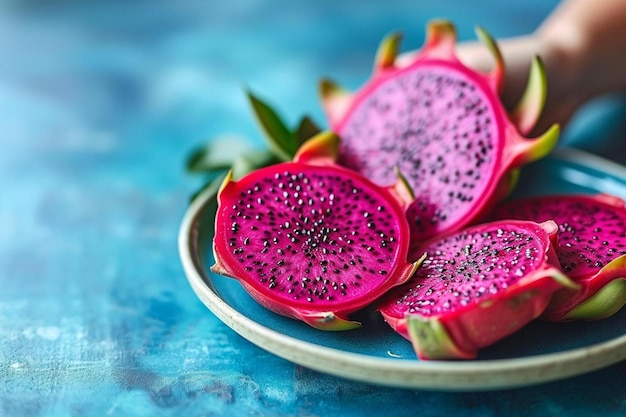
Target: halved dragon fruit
x=443 y=125
x=475 y=287
x=591 y=250
x=312 y=240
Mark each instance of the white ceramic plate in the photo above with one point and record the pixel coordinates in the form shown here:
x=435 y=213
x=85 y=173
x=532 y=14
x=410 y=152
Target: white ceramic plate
x=375 y=354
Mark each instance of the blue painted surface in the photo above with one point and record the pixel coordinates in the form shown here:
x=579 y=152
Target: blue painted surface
x=100 y=104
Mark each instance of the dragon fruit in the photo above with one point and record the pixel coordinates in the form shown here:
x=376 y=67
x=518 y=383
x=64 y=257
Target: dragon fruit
x=475 y=287
x=443 y=125
x=312 y=240
x=591 y=250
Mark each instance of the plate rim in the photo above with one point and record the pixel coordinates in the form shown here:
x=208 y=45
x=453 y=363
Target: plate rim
x=474 y=375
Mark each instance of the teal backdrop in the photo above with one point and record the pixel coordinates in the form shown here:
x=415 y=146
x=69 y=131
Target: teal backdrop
x=101 y=103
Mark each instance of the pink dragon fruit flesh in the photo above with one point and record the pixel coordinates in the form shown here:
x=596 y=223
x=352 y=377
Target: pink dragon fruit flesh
x=475 y=287
x=312 y=240
x=443 y=125
x=591 y=250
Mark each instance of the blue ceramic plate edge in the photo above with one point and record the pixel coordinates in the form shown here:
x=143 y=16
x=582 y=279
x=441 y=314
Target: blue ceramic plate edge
x=439 y=375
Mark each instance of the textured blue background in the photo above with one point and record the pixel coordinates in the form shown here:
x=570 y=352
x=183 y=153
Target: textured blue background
x=100 y=104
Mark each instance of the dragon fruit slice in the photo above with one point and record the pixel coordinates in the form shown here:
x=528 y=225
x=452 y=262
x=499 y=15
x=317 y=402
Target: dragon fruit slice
x=475 y=287
x=591 y=250
x=443 y=125
x=312 y=240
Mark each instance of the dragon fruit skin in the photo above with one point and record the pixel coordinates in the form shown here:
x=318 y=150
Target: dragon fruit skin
x=591 y=250
x=475 y=287
x=312 y=240
x=443 y=125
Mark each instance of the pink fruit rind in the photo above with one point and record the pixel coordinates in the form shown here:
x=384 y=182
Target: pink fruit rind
x=307 y=247
x=599 y=296
x=590 y=255
x=459 y=331
x=363 y=152
x=492 y=320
